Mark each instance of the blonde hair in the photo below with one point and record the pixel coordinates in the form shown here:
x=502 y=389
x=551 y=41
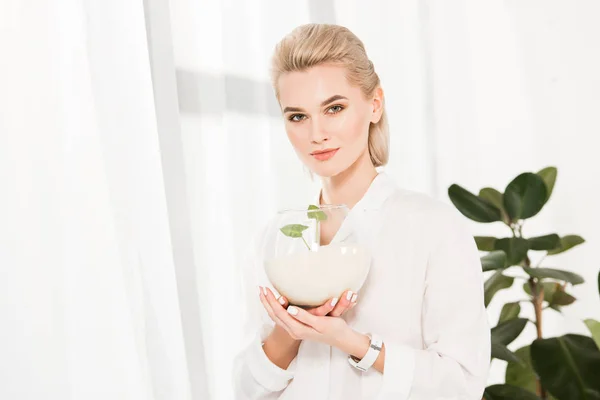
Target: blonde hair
x=314 y=44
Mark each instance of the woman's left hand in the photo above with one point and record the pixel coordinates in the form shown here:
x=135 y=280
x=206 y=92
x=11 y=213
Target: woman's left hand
x=330 y=330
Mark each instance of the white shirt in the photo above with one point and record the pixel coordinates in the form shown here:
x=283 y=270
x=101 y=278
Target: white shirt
x=423 y=297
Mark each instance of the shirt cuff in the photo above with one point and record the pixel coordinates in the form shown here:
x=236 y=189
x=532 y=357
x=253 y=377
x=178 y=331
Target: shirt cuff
x=267 y=374
x=398 y=371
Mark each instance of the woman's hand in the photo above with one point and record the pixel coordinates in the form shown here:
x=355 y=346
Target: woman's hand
x=314 y=324
x=347 y=302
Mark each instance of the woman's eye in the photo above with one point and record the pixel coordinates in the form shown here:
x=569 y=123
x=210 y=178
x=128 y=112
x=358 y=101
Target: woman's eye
x=296 y=118
x=335 y=109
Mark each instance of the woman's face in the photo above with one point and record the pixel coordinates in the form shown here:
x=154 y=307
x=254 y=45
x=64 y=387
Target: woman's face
x=326 y=119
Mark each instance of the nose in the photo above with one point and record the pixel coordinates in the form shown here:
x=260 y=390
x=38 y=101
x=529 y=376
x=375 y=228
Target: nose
x=317 y=133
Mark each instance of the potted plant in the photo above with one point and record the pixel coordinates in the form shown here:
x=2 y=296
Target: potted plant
x=564 y=368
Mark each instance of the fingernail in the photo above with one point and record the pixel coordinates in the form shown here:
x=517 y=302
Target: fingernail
x=334 y=301
x=265 y=290
x=349 y=295
x=281 y=300
x=259 y=290
x=354 y=298
x=292 y=310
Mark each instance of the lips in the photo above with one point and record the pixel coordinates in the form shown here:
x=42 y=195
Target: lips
x=323 y=155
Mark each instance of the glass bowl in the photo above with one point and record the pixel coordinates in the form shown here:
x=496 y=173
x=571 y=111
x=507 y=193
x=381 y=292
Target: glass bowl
x=313 y=255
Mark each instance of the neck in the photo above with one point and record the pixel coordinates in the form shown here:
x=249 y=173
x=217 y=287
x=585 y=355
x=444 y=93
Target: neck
x=349 y=186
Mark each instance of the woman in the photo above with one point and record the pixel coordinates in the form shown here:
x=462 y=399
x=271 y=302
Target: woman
x=418 y=330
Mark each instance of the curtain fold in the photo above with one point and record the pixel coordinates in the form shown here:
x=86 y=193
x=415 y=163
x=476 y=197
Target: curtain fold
x=88 y=289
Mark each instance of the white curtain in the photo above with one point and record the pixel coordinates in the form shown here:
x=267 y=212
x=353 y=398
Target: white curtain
x=89 y=305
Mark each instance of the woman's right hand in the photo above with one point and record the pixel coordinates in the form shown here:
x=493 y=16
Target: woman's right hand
x=281 y=346
x=334 y=307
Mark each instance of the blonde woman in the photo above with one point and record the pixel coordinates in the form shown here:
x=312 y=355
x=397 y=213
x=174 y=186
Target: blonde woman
x=418 y=330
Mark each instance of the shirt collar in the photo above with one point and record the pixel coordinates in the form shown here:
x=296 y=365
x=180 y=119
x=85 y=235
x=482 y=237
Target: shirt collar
x=381 y=188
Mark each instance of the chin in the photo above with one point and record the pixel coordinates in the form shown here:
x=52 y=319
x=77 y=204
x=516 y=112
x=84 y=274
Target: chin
x=327 y=171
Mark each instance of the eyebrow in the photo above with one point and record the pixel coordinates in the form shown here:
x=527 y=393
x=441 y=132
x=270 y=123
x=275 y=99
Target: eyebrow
x=323 y=104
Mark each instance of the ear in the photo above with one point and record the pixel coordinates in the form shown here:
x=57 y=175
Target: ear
x=377 y=105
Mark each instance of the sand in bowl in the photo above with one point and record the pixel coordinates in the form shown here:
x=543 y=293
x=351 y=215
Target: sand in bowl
x=310 y=278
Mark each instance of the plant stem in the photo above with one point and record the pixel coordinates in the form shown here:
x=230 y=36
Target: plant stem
x=538 y=299
x=304 y=240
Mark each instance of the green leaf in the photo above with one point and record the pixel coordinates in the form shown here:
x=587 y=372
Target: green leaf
x=549 y=289
x=567 y=243
x=525 y=196
x=547 y=242
x=318 y=215
x=561 y=298
x=556 y=308
x=485 y=243
x=522 y=374
x=557 y=274
x=507 y=331
x=492 y=196
x=495 y=283
x=294 y=230
x=509 y=311
x=568 y=366
x=548 y=175
x=515 y=248
x=507 y=392
x=594 y=327
x=493 y=260
x=472 y=206
x=501 y=352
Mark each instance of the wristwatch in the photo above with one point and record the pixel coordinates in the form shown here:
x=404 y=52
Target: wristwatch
x=369 y=359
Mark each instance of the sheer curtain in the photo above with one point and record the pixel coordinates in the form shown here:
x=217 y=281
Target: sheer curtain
x=89 y=305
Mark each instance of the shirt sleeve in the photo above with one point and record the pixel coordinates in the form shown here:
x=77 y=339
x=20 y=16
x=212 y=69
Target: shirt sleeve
x=255 y=377
x=454 y=363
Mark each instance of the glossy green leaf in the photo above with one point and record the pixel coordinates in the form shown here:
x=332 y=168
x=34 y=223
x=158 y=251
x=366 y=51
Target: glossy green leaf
x=294 y=230
x=594 y=327
x=507 y=331
x=501 y=352
x=493 y=260
x=557 y=274
x=495 y=198
x=522 y=374
x=568 y=366
x=515 y=248
x=318 y=215
x=507 y=392
x=485 y=243
x=548 y=175
x=567 y=243
x=547 y=242
x=509 y=311
x=472 y=206
x=495 y=283
x=525 y=196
